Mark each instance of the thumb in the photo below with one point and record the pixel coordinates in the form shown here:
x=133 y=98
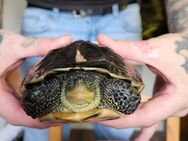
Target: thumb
x=139 y=51
x=41 y=46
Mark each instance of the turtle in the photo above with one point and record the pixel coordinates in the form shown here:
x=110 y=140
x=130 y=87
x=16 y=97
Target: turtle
x=82 y=82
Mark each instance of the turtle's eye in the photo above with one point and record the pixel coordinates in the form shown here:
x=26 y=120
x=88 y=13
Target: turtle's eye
x=120 y=95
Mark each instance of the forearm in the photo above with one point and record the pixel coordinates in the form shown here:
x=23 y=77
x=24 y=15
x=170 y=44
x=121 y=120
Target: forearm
x=177 y=14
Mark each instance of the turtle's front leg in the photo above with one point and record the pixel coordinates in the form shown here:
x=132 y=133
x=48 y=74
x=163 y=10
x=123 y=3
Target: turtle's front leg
x=119 y=95
x=42 y=97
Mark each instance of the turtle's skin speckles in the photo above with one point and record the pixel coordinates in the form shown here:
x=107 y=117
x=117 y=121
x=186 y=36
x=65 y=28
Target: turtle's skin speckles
x=81 y=82
x=120 y=95
x=42 y=98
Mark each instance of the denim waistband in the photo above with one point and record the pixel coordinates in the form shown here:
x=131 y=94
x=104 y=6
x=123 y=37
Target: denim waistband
x=87 y=11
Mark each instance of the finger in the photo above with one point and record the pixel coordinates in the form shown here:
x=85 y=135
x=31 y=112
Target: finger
x=11 y=68
x=38 y=47
x=152 y=52
x=133 y=50
x=151 y=112
x=147 y=133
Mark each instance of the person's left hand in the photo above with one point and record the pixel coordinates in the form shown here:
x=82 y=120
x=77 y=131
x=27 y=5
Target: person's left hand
x=166 y=56
x=14 y=49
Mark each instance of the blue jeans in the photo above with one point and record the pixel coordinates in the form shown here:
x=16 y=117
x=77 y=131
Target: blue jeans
x=122 y=25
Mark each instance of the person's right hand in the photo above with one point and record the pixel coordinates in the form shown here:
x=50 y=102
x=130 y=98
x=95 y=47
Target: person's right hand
x=167 y=56
x=13 y=50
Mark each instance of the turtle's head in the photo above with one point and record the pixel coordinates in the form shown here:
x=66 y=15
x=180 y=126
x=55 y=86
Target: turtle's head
x=80 y=91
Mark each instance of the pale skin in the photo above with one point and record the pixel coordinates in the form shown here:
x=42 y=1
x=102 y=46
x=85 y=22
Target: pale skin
x=13 y=50
x=167 y=56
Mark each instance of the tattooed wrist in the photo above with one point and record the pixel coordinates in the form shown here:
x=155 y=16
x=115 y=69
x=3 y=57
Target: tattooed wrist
x=177 y=11
x=182 y=49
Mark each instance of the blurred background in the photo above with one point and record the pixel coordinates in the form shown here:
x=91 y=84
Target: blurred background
x=154 y=24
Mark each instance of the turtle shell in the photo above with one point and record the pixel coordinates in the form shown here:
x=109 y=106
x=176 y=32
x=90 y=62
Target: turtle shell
x=87 y=56
x=77 y=57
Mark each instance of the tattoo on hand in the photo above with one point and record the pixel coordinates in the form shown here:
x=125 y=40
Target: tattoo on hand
x=28 y=42
x=179 y=20
x=182 y=49
x=177 y=16
x=171 y=2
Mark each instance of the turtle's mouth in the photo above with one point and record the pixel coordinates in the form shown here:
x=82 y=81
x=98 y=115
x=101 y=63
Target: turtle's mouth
x=88 y=116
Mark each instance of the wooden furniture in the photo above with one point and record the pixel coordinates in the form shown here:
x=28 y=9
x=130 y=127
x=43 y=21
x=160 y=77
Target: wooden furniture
x=55 y=133
x=173 y=129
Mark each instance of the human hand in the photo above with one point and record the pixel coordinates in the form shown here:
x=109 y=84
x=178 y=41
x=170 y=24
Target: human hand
x=13 y=50
x=167 y=56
